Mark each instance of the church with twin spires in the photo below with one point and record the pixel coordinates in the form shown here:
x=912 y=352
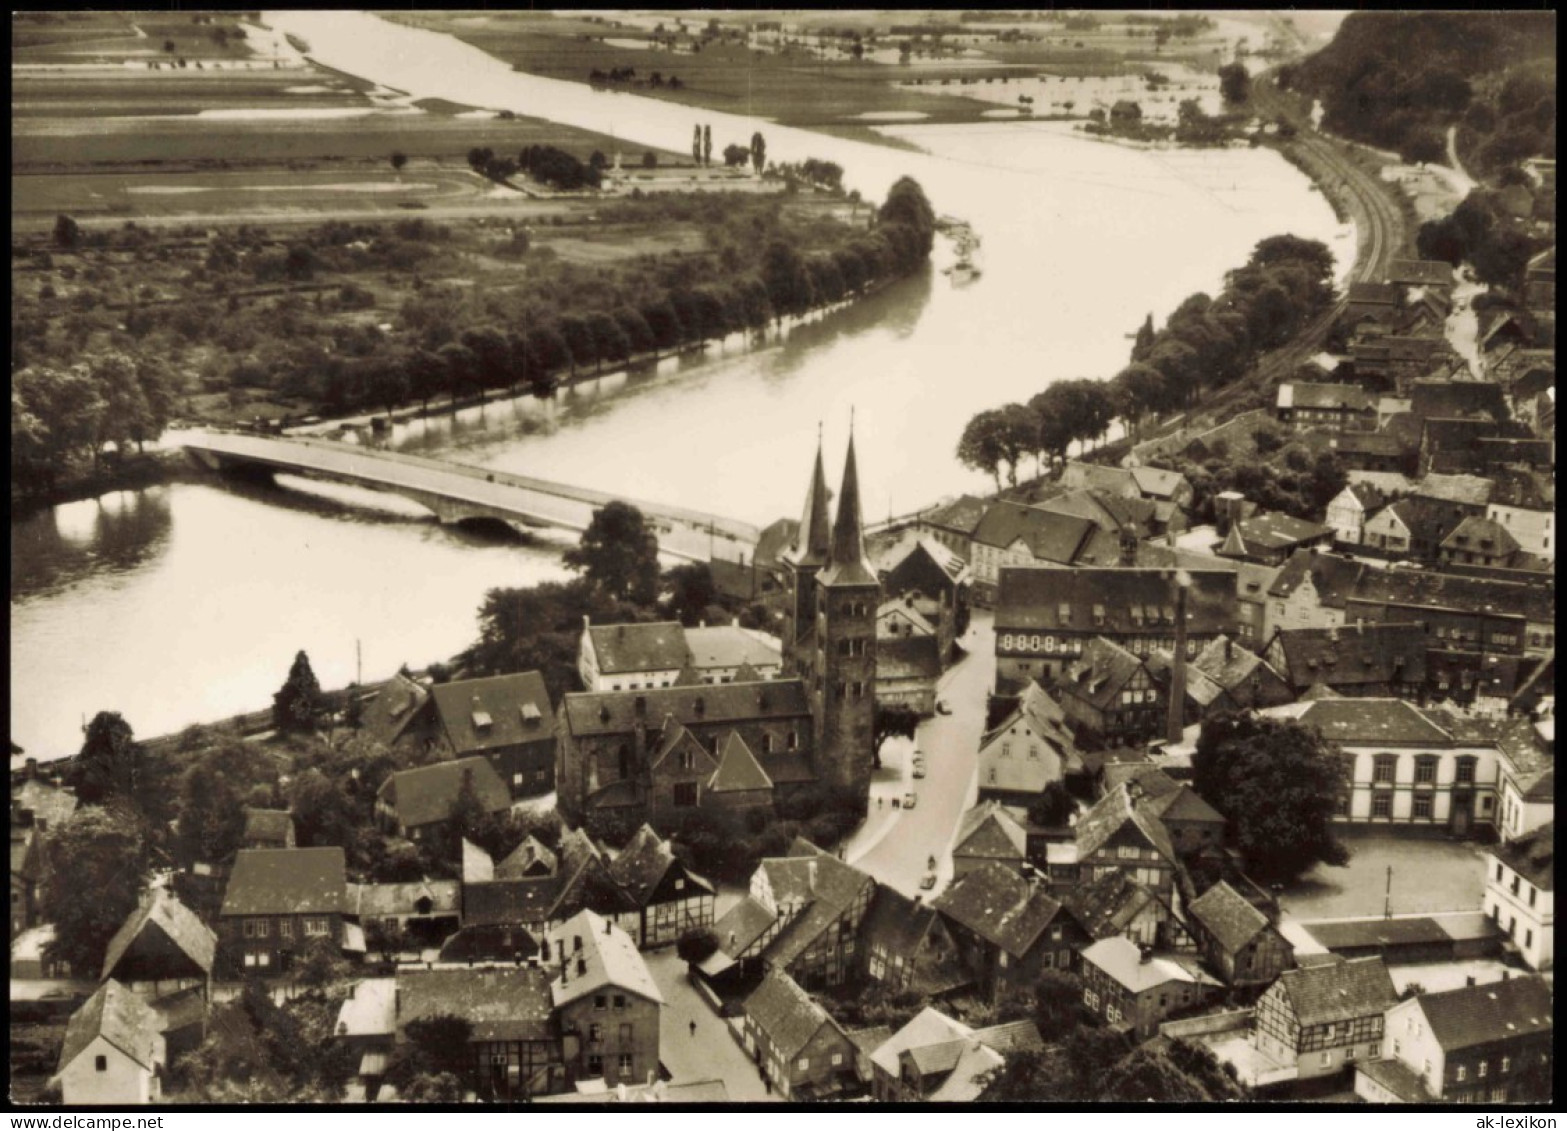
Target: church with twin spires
x=644 y=753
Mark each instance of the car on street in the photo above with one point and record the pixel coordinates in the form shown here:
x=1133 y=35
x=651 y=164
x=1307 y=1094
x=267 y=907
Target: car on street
x=928 y=882
x=919 y=769
x=908 y=800
x=942 y=708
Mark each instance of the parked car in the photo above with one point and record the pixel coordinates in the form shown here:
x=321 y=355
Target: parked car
x=908 y=800
x=928 y=882
x=942 y=708
x=919 y=769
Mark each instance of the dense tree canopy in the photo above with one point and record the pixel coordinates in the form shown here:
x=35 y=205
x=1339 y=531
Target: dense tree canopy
x=618 y=554
x=1279 y=785
x=96 y=863
x=298 y=705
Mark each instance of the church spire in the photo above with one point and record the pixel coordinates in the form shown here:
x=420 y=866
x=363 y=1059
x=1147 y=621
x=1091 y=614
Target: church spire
x=849 y=566
x=814 y=540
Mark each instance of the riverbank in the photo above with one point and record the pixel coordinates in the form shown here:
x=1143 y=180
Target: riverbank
x=133 y=472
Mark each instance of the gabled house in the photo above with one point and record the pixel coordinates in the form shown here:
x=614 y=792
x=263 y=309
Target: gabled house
x=1118 y=834
x=397 y=710
x=1347 y=511
x=414 y=802
x=429 y=910
x=931 y=583
x=1012 y=534
x=937 y=1059
x=1133 y=989
x=633 y=657
x=953 y=523
x=114 y=1050
x=1310 y=590
x=1236 y=940
x=1117 y=905
x=1026 y=751
x=1331 y=408
x=907 y=946
x=1479 y=1044
x=161 y=947
x=1327 y=1016
x=801 y=916
x=802 y=1052
x=606 y=1003
x=671 y=898
x=1269 y=538
x=1223 y=677
x=1377 y=659
x=1480 y=541
x=1432 y=274
x=1008 y=929
x=506 y=719
x=907 y=670
x=268 y=828
x=277 y=901
x=1111 y=694
x=987 y=834
x=1520 y=894
x=26 y=869
x=1190 y=823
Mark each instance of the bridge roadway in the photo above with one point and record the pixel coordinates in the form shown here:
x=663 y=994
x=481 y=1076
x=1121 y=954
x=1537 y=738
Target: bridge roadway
x=455 y=492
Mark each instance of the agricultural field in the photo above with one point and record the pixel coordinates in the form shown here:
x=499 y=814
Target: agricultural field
x=839 y=69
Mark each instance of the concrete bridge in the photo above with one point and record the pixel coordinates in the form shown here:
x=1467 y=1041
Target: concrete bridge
x=456 y=492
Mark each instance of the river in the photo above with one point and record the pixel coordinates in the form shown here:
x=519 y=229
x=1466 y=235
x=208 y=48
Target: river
x=188 y=601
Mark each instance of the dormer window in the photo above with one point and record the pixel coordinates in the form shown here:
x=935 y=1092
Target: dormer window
x=530 y=714
x=1064 y=613
x=481 y=719
x=1099 y=614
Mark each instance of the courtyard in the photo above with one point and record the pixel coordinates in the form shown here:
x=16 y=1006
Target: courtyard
x=1429 y=875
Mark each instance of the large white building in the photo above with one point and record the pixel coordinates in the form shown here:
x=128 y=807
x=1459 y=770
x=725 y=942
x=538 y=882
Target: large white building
x=633 y=657
x=1520 y=896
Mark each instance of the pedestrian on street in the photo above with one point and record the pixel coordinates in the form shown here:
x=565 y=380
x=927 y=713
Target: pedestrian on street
x=693 y=1028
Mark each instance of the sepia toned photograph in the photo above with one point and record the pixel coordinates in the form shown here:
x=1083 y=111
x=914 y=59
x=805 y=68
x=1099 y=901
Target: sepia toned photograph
x=788 y=557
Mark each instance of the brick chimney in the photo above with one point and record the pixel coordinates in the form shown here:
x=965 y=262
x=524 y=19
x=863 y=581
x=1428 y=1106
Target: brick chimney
x=1175 y=719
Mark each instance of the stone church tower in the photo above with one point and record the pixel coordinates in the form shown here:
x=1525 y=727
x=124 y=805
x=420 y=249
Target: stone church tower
x=830 y=640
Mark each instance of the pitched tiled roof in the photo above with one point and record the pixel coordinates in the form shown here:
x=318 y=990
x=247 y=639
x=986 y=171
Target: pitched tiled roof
x=1532 y=856
x=1001 y=907
x=607 y=957
x=426 y=794
x=1077 y=474
x=1331 y=575
x=614 y=712
x=1034 y=597
x=1048 y=535
x=639 y=647
x=502 y=902
x=1339 y=991
x=1185 y=804
x=1123 y=960
x=1108 y=904
x=1398 y=1078
x=1496 y=1011
x=1099 y=674
x=1420 y=272
x=738 y=770
x=899 y=607
x=988 y=830
x=1381 y=293
x=1275 y=530
x=395 y=706
x=1481 y=534
x=926 y=1028
x=120 y=1016
x=897 y=924
x=1367 y=654
x=910 y=657
x=786 y=1013
x=383 y=901
x=675 y=739
x=826 y=885
x=641 y=865
x=503 y=710
x=1432 y=589
x=1302 y=394
x=1108 y=511
x=1229 y=664
x=1361 y=721
x=1227 y=916
x=178 y=922
x=1109 y=814
x=269 y=825
x=287 y=881
x=962 y=514
x=730 y=646
x=742 y=925
x=1471 y=490
x=1457 y=398
x=525 y=860
x=502 y=1003
x=1157 y=482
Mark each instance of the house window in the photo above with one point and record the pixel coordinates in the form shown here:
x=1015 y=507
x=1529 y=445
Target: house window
x=1422 y=806
x=595 y=1064
x=1465 y=770
x=793 y=741
x=1327 y=1059
x=685 y=794
x=620 y=1002
x=1382 y=805
x=600 y=1001
x=625 y=1064
x=315 y=926
x=285 y=928
x=1425 y=769
x=803 y=1064
x=1003 y=960
x=101 y=1063
x=1462 y=1073
x=1006 y=750
x=1385 y=767
x=1507 y=1064
x=767 y=744
x=1484 y=1065
x=1113 y=1014
x=595 y=1032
